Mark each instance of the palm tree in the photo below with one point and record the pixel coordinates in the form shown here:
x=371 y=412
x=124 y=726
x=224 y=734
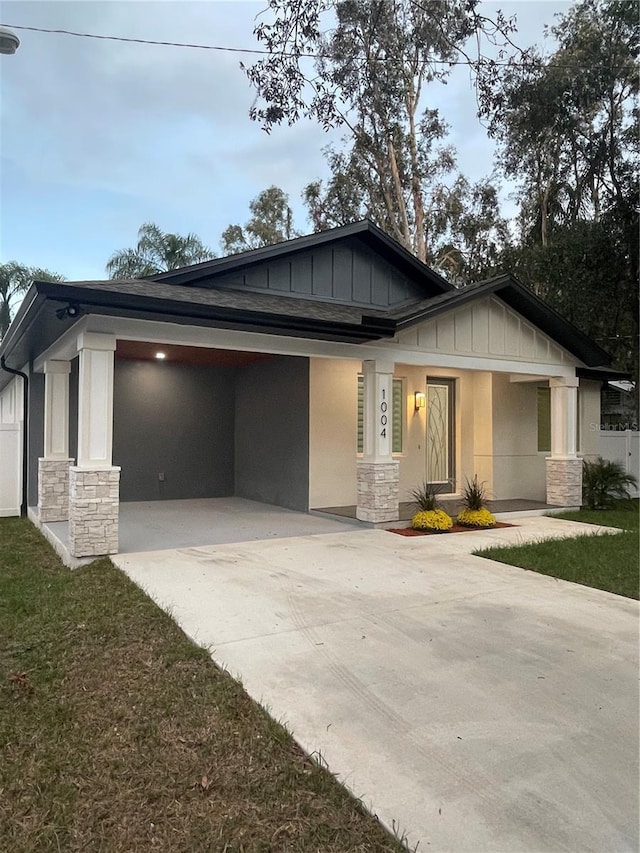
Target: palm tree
x=157 y=252
x=15 y=280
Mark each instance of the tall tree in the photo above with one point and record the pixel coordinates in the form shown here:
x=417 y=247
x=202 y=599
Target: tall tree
x=15 y=280
x=566 y=124
x=271 y=222
x=370 y=74
x=155 y=252
x=567 y=130
x=464 y=229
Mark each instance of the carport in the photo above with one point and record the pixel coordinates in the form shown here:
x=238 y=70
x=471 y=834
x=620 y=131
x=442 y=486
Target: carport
x=198 y=422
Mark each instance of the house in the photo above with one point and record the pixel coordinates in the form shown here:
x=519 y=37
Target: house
x=327 y=371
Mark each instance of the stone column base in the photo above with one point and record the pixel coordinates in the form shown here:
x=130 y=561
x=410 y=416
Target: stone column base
x=564 y=482
x=53 y=489
x=378 y=491
x=94 y=498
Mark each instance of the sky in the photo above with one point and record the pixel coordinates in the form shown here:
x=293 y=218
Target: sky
x=97 y=137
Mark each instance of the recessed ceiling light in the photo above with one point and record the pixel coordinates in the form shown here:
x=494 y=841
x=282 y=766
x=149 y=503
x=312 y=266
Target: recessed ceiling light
x=161 y=355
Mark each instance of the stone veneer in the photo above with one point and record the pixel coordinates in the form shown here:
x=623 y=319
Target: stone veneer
x=564 y=482
x=53 y=489
x=93 y=511
x=378 y=491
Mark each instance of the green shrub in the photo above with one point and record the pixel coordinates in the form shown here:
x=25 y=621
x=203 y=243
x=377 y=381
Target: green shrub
x=605 y=482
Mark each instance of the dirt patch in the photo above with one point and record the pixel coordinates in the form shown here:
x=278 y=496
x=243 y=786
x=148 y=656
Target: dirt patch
x=457 y=528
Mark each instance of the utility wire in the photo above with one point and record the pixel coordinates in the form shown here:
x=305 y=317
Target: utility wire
x=258 y=52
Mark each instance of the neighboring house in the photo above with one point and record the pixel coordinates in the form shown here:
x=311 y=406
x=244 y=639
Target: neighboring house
x=330 y=370
x=619 y=406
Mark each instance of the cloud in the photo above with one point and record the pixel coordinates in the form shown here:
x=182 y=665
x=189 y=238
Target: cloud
x=112 y=115
x=122 y=133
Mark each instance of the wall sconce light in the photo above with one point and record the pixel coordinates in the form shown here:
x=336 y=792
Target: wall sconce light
x=161 y=355
x=420 y=400
x=71 y=310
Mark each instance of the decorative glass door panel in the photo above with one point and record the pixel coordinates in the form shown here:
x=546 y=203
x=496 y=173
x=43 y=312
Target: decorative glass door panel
x=440 y=443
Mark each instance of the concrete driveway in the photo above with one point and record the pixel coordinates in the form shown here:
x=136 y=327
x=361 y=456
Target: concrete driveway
x=476 y=706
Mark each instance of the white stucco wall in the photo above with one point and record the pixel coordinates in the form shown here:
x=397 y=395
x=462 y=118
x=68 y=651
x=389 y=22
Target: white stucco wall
x=333 y=424
x=519 y=469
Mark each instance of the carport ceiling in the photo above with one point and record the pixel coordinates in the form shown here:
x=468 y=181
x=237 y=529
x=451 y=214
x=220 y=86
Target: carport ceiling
x=145 y=351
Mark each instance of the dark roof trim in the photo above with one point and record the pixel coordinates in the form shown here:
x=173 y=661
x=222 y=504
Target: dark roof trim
x=525 y=302
x=371 y=328
x=31 y=305
x=603 y=374
x=365 y=230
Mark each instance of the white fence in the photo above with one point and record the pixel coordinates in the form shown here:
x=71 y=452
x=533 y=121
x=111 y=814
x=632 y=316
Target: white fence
x=10 y=469
x=622 y=446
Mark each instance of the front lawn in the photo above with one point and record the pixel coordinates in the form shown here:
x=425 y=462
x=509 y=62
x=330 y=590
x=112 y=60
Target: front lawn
x=608 y=562
x=118 y=734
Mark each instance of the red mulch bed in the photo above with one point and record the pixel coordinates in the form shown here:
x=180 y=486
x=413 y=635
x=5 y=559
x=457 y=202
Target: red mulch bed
x=457 y=528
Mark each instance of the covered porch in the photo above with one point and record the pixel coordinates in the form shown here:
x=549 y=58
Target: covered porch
x=502 y=510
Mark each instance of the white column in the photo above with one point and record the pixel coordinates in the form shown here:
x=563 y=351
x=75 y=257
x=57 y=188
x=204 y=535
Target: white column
x=95 y=399
x=564 y=414
x=56 y=409
x=94 y=482
x=53 y=467
x=378 y=410
x=378 y=474
x=564 y=467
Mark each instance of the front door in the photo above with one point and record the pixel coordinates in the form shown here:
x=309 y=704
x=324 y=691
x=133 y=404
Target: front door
x=440 y=441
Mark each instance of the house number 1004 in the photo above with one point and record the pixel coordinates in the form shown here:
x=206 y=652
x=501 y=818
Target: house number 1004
x=383 y=414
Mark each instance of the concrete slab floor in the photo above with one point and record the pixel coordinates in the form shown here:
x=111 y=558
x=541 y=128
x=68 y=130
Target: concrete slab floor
x=156 y=525
x=479 y=706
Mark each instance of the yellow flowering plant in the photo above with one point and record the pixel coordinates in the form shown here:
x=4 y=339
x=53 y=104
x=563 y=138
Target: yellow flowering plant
x=476 y=518
x=475 y=513
x=434 y=520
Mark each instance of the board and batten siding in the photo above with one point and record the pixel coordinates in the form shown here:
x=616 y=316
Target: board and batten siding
x=349 y=274
x=487 y=328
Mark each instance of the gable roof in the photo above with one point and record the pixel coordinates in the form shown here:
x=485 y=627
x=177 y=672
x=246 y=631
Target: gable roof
x=523 y=300
x=190 y=296
x=365 y=231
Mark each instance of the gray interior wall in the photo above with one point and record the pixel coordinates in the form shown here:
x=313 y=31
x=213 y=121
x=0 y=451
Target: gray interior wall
x=272 y=432
x=177 y=420
x=36 y=434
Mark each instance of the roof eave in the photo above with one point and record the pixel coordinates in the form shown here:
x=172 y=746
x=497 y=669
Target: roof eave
x=33 y=301
x=371 y=328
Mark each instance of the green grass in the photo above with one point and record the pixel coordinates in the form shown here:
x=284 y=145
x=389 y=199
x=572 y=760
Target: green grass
x=608 y=561
x=118 y=734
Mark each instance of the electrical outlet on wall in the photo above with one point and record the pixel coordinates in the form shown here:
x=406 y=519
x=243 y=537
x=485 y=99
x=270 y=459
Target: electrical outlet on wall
x=161 y=477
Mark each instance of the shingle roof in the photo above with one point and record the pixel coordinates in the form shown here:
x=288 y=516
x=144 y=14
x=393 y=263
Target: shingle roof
x=265 y=303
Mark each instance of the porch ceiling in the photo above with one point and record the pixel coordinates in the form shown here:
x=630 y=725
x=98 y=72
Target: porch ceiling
x=205 y=356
